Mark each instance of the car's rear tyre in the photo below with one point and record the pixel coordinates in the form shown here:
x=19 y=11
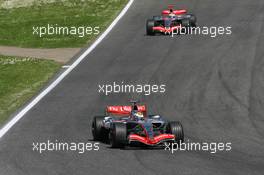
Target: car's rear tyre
x=118 y=135
x=149 y=27
x=186 y=24
x=157 y=18
x=193 y=20
x=99 y=132
x=176 y=129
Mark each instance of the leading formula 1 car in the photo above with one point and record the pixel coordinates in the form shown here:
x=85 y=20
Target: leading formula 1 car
x=169 y=21
x=130 y=125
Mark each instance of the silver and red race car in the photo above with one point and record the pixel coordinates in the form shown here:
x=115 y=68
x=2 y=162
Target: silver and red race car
x=169 y=21
x=130 y=125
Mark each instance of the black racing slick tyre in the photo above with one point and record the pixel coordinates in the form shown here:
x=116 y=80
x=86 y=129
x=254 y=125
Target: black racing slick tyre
x=149 y=27
x=193 y=21
x=176 y=129
x=186 y=23
x=118 y=135
x=99 y=132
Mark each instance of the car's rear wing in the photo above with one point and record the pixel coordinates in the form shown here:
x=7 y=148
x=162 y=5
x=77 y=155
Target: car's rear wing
x=124 y=110
x=176 y=12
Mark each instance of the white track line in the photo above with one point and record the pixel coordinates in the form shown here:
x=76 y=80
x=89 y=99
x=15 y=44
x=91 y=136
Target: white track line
x=66 y=66
x=16 y=118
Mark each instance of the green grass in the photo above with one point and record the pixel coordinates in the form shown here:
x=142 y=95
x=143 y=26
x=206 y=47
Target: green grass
x=16 y=24
x=20 y=79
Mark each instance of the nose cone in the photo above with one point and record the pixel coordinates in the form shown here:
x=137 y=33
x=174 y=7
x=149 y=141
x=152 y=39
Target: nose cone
x=149 y=130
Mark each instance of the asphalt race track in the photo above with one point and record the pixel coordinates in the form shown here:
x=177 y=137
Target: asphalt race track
x=214 y=86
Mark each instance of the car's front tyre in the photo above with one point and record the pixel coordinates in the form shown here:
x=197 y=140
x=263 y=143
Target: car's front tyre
x=118 y=135
x=98 y=131
x=176 y=129
x=149 y=27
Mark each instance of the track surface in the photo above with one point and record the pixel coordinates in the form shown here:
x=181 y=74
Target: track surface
x=214 y=86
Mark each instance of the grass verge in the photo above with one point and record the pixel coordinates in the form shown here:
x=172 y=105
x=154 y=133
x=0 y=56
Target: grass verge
x=20 y=79
x=16 y=24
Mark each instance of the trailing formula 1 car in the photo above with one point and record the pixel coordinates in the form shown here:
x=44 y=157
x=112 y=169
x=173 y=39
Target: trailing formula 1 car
x=169 y=21
x=130 y=125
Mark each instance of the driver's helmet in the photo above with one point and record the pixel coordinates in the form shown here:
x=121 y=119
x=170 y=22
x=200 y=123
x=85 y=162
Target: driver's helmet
x=171 y=14
x=136 y=115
